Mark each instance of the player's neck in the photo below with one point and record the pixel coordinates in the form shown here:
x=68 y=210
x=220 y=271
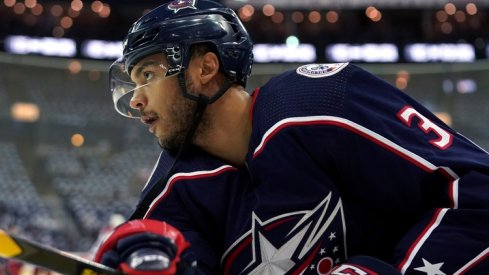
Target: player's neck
x=229 y=133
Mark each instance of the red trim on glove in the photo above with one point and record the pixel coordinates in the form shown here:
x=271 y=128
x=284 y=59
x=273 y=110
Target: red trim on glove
x=141 y=226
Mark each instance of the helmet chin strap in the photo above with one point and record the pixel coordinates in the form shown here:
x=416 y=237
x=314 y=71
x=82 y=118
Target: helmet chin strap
x=202 y=102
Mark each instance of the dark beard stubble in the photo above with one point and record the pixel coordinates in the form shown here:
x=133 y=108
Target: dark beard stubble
x=182 y=115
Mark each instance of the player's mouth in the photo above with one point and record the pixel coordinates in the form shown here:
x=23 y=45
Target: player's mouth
x=149 y=120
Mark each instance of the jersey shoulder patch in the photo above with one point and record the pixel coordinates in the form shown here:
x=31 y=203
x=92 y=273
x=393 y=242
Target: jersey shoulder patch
x=320 y=70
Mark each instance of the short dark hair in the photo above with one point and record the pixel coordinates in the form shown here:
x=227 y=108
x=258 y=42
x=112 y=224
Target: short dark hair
x=199 y=49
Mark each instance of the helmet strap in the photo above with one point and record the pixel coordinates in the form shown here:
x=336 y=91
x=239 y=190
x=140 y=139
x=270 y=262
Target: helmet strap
x=197 y=117
x=202 y=102
x=208 y=100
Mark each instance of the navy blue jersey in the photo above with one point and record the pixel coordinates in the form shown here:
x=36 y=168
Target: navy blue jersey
x=340 y=163
x=199 y=199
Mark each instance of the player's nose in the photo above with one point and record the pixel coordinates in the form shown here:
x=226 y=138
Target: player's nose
x=138 y=101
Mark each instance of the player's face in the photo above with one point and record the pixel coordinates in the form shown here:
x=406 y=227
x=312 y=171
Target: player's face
x=167 y=113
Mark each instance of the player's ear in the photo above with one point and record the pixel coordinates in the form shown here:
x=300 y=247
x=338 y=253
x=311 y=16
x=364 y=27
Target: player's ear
x=209 y=67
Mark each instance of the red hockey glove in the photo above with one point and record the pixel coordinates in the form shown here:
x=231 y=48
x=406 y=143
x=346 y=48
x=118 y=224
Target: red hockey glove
x=147 y=247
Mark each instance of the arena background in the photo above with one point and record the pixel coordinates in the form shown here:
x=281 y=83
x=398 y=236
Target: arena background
x=70 y=166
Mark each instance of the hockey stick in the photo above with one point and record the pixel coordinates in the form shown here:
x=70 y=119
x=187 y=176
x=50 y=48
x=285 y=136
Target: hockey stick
x=14 y=247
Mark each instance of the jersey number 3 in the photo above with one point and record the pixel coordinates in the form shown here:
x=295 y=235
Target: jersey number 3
x=444 y=139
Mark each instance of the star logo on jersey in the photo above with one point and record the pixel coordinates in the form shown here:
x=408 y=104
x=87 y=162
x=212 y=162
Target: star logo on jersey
x=178 y=5
x=308 y=242
x=274 y=260
x=430 y=269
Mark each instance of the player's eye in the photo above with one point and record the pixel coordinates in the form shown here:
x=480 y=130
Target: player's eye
x=148 y=76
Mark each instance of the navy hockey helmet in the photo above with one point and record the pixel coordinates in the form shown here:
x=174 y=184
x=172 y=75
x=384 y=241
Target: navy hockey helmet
x=171 y=29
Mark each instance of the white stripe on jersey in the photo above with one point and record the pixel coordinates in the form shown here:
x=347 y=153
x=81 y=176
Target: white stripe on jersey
x=474 y=261
x=421 y=239
x=188 y=175
x=367 y=133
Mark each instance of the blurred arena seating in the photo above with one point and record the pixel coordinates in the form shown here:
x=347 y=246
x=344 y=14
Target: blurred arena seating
x=51 y=190
x=21 y=207
x=94 y=184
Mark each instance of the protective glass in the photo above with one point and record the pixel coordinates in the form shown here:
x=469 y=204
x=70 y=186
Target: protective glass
x=123 y=87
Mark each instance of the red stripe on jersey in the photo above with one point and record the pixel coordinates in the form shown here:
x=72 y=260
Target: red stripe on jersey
x=370 y=135
x=481 y=257
x=186 y=176
x=235 y=253
x=345 y=126
x=416 y=245
x=302 y=268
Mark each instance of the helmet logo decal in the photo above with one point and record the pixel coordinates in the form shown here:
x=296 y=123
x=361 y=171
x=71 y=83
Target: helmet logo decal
x=177 y=5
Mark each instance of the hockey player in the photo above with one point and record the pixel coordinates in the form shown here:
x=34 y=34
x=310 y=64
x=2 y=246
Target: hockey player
x=324 y=169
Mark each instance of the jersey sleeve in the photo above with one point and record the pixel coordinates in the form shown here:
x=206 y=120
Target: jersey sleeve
x=395 y=154
x=414 y=190
x=193 y=202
